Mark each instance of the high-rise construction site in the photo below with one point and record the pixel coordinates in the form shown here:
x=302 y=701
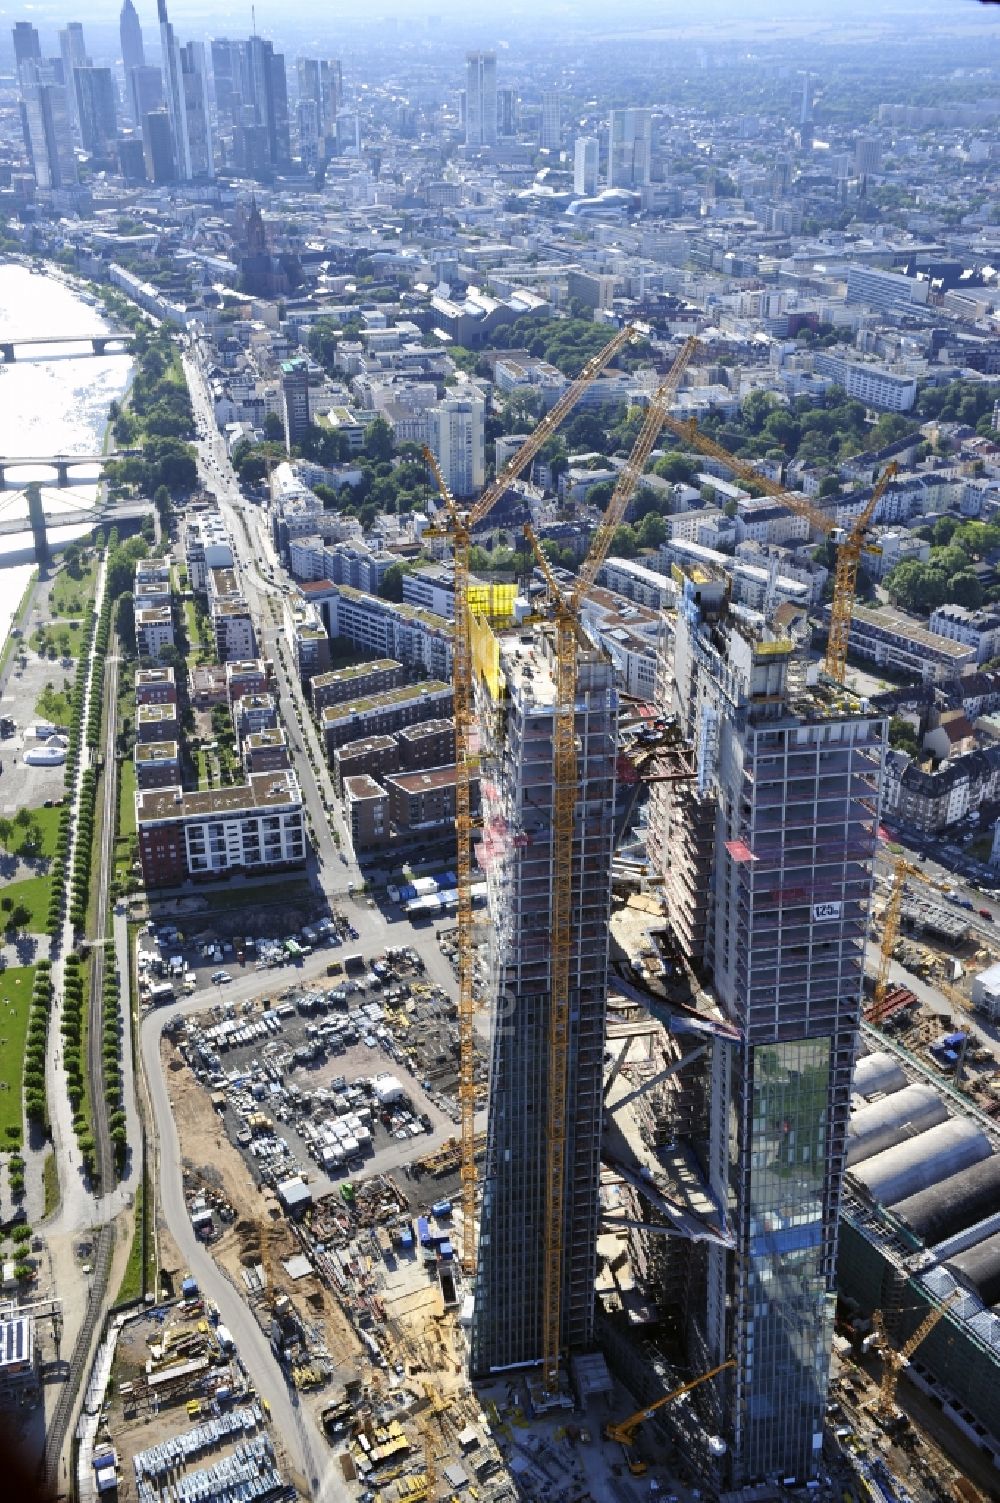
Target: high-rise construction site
x=516 y=675
x=766 y=861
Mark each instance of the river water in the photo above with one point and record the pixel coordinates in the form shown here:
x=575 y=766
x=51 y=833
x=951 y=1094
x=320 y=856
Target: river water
x=56 y=403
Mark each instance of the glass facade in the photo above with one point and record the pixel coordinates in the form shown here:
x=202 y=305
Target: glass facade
x=789 y=1320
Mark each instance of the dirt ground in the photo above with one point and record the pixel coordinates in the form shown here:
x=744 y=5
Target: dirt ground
x=212 y=1161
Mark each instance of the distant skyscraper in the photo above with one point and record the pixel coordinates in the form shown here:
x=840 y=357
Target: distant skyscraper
x=173 y=80
x=158 y=147
x=481 y=99
x=268 y=99
x=131 y=159
x=321 y=81
x=867 y=155
x=460 y=444
x=130 y=28
x=48 y=136
x=73 y=51
x=96 y=110
x=630 y=137
x=295 y=399
x=225 y=77
x=507 y=112
x=27 y=48
x=145 y=91
x=806 y=107
x=586 y=155
x=551 y=136
x=199 y=126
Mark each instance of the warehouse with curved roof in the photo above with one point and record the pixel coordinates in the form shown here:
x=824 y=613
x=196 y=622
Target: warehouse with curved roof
x=921 y=1161
x=953 y=1204
x=877 y=1074
x=979 y=1268
x=893 y=1120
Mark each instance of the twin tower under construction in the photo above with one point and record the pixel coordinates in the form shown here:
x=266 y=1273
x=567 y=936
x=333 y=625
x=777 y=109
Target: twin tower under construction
x=762 y=858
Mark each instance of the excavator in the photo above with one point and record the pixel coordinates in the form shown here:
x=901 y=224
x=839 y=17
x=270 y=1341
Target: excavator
x=624 y=1431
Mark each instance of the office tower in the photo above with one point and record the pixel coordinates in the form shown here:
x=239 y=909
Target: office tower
x=768 y=864
x=158 y=147
x=251 y=151
x=322 y=82
x=308 y=133
x=460 y=444
x=507 y=112
x=130 y=28
x=145 y=91
x=551 y=136
x=347 y=134
x=295 y=400
x=481 y=99
x=586 y=154
x=73 y=52
x=268 y=99
x=96 y=109
x=630 y=141
x=131 y=159
x=806 y=107
x=27 y=50
x=199 y=127
x=867 y=155
x=173 y=87
x=48 y=135
x=517 y=720
x=225 y=79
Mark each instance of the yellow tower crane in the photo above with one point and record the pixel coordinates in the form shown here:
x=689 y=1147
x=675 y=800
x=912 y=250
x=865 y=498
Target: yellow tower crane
x=893 y=1362
x=566 y=610
x=852 y=543
x=457 y=529
x=624 y=1431
x=876 y=1011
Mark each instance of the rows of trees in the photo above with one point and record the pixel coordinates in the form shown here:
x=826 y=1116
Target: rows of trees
x=35 y=1100
x=158 y=419
x=72 y=1029
x=948 y=576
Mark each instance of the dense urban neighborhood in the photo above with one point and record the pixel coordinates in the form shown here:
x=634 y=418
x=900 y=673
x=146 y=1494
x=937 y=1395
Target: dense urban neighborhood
x=500 y=756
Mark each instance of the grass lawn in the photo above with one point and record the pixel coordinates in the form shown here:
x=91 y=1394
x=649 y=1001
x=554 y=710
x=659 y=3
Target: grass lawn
x=54 y=703
x=60 y=639
x=34 y=894
x=15 y=1003
x=50 y=1182
x=46 y=823
x=131 y=1284
x=126 y=817
x=73 y=597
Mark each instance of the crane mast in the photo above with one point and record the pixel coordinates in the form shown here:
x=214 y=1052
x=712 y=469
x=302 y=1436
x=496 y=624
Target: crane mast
x=567 y=628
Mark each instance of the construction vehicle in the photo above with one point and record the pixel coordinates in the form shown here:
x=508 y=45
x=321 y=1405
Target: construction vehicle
x=624 y=1431
x=568 y=633
x=853 y=543
x=893 y=1362
x=457 y=530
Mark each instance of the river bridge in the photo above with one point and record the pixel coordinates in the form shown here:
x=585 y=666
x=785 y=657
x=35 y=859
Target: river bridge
x=96 y=344
x=62 y=464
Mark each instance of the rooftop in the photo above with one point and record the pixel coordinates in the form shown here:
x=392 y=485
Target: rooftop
x=905 y=626
x=157 y=751
x=262 y=791
x=334 y=714
x=361 y=786
x=355 y=670
x=423 y=782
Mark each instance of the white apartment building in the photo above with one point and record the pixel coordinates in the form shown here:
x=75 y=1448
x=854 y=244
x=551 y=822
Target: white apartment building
x=460 y=444
x=867 y=382
x=154 y=630
x=977 y=629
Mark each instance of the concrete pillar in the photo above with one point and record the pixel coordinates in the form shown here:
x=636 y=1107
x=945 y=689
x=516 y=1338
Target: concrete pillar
x=7 y=351
x=62 y=473
x=36 y=517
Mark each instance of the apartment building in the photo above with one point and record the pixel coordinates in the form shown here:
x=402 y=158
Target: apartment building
x=384 y=628
x=356 y=681
x=979 y=630
x=366 y=805
x=872 y=384
x=155 y=686
x=371 y=755
x=154 y=630
x=207 y=545
x=157 y=722
x=157 y=764
x=892 y=640
x=256 y=827
x=265 y=751
x=423 y=802
x=429 y=743
x=518 y=716
x=381 y=714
